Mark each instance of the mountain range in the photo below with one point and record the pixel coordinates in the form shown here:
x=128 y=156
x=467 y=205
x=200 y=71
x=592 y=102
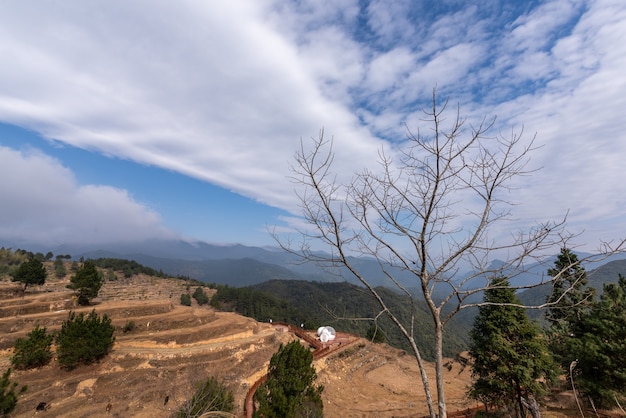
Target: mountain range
x=240 y=265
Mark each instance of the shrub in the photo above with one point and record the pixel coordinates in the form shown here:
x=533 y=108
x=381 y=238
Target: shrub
x=33 y=351
x=84 y=340
x=59 y=268
x=8 y=397
x=110 y=276
x=185 y=299
x=375 y=335
x=200 y=296
x=128 y=326
x=210 y=396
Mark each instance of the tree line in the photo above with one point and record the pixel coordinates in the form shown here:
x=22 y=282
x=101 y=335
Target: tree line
x=515 y=361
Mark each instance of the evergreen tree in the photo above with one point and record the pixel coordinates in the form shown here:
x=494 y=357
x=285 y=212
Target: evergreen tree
x=8 y=397
x=87 y=282
x=84 y=340
x=34 y=351
x=567 y=308
x=31 y=272
x=289 y=390
x=509 y=352
x=599 y=345
x=200 y=296
x=185 y=299
x=59 y=268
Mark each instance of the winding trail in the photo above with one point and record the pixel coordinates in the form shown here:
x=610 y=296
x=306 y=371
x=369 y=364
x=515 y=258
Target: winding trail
x=320 y=350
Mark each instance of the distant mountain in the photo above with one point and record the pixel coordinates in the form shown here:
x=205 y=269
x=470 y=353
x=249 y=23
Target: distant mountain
x=233 y=272
x=240 y=265
x=534 y=273
x=235 y=265
x=604 y=274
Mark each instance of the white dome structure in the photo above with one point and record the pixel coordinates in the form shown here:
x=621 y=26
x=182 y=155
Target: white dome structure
x=326 y=334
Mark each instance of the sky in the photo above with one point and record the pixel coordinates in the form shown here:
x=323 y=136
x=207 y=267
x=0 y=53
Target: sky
x=124 y=121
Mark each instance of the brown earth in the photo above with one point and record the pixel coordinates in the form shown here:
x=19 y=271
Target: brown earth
x=172 y=347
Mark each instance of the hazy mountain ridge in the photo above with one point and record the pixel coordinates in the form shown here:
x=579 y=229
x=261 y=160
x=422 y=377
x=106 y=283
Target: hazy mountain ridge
x=596 y=278
x=240 y=265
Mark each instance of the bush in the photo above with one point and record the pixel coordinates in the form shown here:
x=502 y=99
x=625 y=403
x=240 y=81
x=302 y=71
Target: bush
x=210 y=396
x=129 y=326
x=375 y=335
x=59 y=268
x=185 y=299
x=84 y=340
x=200 y=296
x=110 y=276
x=33 y=351
x=8 y=397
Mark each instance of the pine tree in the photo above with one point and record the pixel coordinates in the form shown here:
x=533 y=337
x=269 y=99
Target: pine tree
x=567 y=308
x=34 y=351
x=31 y=272
x=8 y=395
x=289 y=390
x=84 y=340
x=87 y=282
x=599 y=345
x=509 y=352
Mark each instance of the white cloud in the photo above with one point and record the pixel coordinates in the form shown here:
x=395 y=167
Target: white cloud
x=536 y=30
x=223 y=91
x=205 y=90
x=389 y=69
x=42 y=202
x=390 y=20
x=578 y=123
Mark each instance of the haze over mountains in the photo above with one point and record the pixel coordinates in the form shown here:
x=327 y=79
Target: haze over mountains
x=240 y=265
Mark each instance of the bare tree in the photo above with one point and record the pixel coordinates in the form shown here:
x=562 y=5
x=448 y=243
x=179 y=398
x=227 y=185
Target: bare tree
x=427 y=211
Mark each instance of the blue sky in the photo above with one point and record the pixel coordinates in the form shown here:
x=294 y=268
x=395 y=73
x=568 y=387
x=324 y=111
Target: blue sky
x=154 y=119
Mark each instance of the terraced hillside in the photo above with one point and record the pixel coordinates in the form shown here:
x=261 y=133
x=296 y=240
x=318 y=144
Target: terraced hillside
x=171 y=347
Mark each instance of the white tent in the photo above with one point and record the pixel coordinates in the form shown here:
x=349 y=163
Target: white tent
x=326 y=334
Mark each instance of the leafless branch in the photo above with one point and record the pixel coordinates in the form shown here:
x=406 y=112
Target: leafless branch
x=428 y=210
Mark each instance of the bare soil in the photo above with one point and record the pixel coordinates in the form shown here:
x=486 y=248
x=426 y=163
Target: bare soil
x=173 y=347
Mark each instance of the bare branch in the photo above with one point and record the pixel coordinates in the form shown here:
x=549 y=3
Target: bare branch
x=428 y=210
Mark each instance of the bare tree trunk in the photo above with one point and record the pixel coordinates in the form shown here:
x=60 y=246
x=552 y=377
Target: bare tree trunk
x=441 y=393
x=425 y=381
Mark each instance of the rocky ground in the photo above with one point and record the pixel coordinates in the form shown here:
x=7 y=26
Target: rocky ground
x=172 y=347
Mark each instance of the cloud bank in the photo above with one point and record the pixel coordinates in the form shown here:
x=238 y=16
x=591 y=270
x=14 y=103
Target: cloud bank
x=42 y=201
x=224 y=92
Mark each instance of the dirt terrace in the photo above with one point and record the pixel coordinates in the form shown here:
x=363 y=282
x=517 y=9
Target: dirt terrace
x=172 y=347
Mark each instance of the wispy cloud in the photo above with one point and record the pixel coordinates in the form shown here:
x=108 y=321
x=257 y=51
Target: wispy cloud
x=223 y=92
